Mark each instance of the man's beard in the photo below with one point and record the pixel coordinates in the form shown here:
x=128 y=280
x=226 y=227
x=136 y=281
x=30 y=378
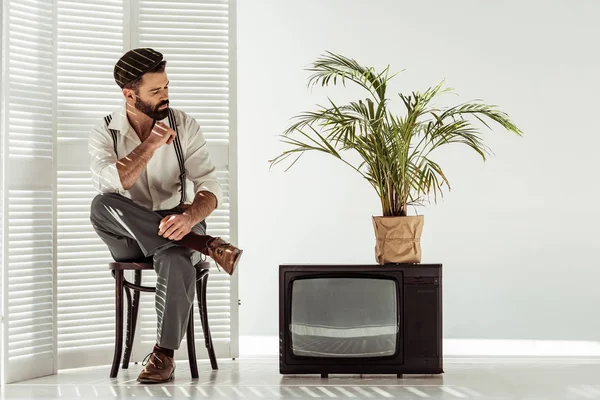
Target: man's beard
x=152 y=111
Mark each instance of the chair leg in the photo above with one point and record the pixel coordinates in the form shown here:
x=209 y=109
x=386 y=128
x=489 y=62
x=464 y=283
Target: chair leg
x=125 y=364
x=136 y=303
x=118 y=323
x=132 y=314
x=201 y=294
x=191 y=345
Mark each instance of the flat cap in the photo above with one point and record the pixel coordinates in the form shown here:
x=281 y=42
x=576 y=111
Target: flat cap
x=134 y=64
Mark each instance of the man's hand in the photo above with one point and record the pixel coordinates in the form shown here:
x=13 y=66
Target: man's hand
x=175 y=227
x=161 y=134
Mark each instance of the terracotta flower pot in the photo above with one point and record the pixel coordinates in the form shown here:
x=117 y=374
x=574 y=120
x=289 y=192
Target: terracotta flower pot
x=398 y=239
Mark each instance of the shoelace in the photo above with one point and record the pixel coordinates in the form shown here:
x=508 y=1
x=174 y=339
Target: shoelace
x=206 y=248
x=149 y=360
x=214 y=249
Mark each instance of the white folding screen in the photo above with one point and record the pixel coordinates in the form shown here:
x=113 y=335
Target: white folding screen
x=58 y=295
x=90 y=40
x=29 y=190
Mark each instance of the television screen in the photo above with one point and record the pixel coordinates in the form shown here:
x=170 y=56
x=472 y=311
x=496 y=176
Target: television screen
x=344 y=317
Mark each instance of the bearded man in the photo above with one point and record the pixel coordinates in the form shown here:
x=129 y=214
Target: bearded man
x=157 y=186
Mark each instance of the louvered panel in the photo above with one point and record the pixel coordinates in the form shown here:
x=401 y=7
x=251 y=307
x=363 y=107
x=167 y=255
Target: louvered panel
x=85 y=287
x=30 y=276
x=195 y=42
x=90 y=41
x=28 y=150
x=90 y=37
x=30 y=79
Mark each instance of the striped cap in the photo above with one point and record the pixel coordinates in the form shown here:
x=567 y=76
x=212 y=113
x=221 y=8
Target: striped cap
x=134 y=64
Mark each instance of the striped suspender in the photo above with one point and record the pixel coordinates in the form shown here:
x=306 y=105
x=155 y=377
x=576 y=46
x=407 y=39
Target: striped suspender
x=176 y=143
x=113 y=133
x=179 y=152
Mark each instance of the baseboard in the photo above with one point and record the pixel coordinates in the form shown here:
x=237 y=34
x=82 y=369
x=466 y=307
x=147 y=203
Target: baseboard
x=520 y=348
x=268 y=346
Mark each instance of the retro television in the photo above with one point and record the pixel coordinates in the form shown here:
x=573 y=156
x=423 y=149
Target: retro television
x=360 y=319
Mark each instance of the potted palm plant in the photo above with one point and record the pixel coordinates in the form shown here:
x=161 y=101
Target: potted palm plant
x=395 y=151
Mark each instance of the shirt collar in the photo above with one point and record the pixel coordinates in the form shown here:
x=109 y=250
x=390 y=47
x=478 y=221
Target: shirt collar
x=121 y=124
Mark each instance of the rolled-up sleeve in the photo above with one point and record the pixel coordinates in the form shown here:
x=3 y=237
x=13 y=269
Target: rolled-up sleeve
x=199 y=167
x=103 y=162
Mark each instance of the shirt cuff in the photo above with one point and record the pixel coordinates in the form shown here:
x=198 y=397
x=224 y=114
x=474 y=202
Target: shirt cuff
x=109 y=180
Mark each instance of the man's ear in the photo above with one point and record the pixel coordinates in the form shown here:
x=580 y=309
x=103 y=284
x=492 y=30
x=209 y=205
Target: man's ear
x=129 y=94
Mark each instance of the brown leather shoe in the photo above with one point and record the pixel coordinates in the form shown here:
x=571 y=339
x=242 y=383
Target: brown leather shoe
x=225 y=254
x=159 y=368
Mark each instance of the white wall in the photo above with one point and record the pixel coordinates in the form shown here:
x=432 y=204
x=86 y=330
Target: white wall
x=517 y=235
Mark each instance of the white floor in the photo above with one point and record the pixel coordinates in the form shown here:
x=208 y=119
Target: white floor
x=259 y=378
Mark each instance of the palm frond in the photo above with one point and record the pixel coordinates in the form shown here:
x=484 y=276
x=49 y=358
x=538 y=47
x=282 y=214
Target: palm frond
x=331 y=67
x=394 y=150
x=479 y=111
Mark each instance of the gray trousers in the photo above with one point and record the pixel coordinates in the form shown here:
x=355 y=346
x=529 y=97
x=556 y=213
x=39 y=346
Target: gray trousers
x=131 y=233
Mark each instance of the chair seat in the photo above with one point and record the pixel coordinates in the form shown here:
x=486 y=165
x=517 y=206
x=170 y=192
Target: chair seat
x=144 y=264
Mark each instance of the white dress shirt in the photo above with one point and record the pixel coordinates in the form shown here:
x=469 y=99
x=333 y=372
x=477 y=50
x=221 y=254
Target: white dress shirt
x=158 y=187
